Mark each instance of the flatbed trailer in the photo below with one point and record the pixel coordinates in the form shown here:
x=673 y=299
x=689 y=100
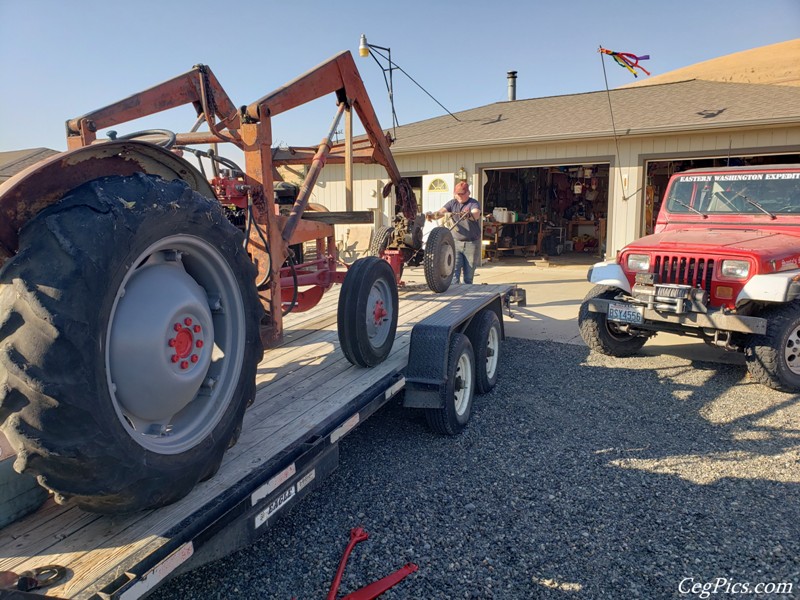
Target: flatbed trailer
x=309 y=396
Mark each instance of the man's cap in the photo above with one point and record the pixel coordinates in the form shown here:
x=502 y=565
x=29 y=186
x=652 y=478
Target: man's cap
x=462 y=186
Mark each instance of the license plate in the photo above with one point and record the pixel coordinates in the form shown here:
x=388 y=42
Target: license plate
x=625 y=313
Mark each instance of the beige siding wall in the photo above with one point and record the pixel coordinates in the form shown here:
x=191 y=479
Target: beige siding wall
x=626 y=178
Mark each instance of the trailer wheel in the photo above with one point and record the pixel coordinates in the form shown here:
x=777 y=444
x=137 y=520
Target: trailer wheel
x=440 y=259
x=380 y=240
x=458 y=391
x=367 y=314
x=484 y=335
x=773 y=359
x=602 y=335
x=130 y=327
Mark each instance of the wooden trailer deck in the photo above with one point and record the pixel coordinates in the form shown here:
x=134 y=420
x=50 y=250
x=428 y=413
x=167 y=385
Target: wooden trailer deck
x=302 y=384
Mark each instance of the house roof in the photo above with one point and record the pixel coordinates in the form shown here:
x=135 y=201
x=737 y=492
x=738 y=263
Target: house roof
x=15 y=161
x=663 y=108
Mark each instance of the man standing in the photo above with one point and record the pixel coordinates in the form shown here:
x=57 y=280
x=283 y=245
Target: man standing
x=466 y=213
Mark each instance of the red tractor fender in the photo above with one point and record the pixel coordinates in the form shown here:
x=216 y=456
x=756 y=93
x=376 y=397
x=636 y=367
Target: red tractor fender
x=32 y=190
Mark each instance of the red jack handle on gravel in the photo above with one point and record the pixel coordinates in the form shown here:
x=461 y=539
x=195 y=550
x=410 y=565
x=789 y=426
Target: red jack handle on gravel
x=375 y=589
x=357 y=534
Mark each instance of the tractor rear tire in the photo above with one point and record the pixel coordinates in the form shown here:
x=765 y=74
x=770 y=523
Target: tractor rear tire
x=440 y=259
x=129 y=322
x=367 y=313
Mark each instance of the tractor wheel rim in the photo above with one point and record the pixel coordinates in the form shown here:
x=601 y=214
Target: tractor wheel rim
x=492 y=352
x=462 y=386
x=447 y=259
x=175 y=344
x=791 y=351
x=379 y=313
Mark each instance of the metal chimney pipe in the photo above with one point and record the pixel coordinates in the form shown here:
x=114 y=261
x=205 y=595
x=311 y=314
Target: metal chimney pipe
x=512 y=85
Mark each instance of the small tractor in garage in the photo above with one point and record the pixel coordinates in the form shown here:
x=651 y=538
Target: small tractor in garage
x=136 y=296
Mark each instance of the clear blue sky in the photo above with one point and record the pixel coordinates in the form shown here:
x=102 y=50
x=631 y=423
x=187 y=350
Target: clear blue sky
x=61 y=58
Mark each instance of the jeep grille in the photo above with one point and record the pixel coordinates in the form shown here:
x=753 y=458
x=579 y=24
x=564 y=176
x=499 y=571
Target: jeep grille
x=687 y=270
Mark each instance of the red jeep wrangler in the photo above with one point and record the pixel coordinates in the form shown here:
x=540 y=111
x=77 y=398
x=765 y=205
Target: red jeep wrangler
x=723 y=265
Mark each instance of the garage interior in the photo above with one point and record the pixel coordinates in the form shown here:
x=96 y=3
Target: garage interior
x=659 y=172
x=552 y=210
x=545 y=211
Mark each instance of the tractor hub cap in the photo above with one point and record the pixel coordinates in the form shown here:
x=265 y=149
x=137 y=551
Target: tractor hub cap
x=175 y=343
x=378 y=315
x=158 y=349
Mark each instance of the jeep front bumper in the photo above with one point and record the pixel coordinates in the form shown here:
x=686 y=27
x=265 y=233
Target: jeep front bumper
x=658 y=316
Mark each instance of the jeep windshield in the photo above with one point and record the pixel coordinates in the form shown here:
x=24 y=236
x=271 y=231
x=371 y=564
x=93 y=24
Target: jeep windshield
x=736 y=193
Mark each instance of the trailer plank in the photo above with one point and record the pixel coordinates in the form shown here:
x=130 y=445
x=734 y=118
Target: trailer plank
x=302 y=385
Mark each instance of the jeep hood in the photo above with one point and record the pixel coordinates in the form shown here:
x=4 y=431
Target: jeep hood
x=759 y=242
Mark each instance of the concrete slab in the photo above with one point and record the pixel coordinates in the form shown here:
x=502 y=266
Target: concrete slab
x=555 y=289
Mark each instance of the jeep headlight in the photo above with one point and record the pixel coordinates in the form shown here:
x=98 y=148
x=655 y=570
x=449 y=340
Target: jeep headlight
x=638 y=262
x=735 y=269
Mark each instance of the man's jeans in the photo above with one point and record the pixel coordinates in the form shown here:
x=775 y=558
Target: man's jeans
x=468 y=257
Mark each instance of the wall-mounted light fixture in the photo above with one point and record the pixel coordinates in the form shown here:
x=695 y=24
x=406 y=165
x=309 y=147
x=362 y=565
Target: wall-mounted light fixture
x=363 y=47
x=461 y=175
x=366 y=49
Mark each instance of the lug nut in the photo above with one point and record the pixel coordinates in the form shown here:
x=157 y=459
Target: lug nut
x=199 y=343
x=175 y=358
x=187 y=321
x=197 y=329
x=194 y=358
x=172 y=343
x=177 y=327
x=185 y=365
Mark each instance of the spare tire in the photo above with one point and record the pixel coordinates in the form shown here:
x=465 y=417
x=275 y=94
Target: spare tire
x=380 y=240
x=129 y=322
x=439 y=259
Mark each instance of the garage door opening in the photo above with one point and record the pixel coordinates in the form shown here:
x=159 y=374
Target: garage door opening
x=545 y=211
x=659 y=172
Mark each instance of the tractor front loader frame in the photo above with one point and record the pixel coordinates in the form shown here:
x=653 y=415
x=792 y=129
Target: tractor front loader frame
x=270 y=234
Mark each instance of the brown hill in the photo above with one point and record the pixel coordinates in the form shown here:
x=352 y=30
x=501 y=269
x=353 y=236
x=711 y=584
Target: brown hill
x=777 y=64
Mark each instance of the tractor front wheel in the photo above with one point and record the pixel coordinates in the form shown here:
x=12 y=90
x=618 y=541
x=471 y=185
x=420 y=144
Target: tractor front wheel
x=367 y=313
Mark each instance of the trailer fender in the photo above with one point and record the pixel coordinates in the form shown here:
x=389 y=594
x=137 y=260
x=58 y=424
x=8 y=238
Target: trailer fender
x=30 y=191
x=610 y=274
x=427 y=371
x=774 y=287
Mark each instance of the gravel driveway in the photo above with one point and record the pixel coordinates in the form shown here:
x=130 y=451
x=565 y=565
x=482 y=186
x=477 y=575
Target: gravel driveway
x=579 y=476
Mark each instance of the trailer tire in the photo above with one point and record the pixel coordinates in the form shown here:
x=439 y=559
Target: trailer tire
x=602 y=336
x=773 y=359
x=439 y=259
x=380 y=240
x=77 y=338
x=484 y=334
x=367 y=313
x=458 y=391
